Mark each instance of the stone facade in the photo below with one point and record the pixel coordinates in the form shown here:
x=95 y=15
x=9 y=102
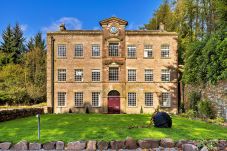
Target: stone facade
x=87 y=62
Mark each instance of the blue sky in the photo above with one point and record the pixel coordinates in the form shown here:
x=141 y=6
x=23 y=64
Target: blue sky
x=46 y=15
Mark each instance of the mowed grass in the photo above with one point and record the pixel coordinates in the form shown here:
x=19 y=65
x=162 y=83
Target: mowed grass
x=71 y=127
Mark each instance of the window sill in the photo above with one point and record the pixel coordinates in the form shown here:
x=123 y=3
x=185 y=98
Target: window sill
x=132 y=106
x=148 y=57
x=61 y=106
x=165 y=58
x=131 y=57
x=78 y=106
x=61 y=81
x=78 y=57
x=98 y=57
x=61 y=57
x=132 y=81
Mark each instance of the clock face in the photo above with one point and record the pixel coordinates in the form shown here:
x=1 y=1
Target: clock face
x=113 y=30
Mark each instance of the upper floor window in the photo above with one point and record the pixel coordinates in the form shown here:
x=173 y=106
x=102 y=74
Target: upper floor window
x=165 y=75
x=79 y=50
x=79 y=97
x=148 y=99
x=113 y=74
x=132 y=75
x=131 y=99
x=166 y=99
x=95 y=75
x=165 y=51
x=148 y=51
x=148 y=75
x=61 y=50
x=95 y=50
x=131 y=51
x=78 y=74
x=61 y=74
x=95 y=99
x=61 y=98
x=113 y=49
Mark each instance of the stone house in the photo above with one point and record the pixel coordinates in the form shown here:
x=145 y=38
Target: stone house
x=112 y=70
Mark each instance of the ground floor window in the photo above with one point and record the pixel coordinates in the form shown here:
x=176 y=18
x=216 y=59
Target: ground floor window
x=95 y=99
x=79 y=99
x=148 y=99
x=166 y=99
x=61 y=98
x=131 y=99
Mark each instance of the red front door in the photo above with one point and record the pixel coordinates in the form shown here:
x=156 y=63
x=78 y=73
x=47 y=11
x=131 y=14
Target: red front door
x=114 y=105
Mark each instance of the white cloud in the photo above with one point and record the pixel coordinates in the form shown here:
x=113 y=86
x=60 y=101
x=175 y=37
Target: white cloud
x=24 y=27
x=70 y=23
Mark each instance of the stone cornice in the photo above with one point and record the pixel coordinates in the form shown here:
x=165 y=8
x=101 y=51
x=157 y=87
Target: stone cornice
x=76 y=32
x=149 y=32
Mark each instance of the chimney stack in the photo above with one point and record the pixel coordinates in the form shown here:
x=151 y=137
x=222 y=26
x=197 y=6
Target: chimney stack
x=62 y=27
x=161 y=27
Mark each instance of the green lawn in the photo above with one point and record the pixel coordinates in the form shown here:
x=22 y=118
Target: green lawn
x=70 y=127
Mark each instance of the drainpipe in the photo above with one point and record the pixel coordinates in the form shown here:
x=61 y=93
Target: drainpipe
x=52 y=73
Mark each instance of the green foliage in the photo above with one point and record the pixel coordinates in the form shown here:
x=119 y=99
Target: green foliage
x=12 y=84
x=189 y=114
x=194 y=97
x=206 y=109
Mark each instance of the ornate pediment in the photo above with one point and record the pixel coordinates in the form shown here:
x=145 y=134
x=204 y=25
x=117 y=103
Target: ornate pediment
x=113 y=19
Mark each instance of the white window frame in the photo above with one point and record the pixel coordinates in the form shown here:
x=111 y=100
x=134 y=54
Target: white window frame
x=131 y=75
x=147 y=51
x=62 y=75
x=61 y=50
x=113 y=49
x=165 y=51
x=113 y=73
x=131 y=51
x=149 y=99
x=79 y=75
x=79 y=50
x=62 y=95
x=95 y=50
x=79 y=99
x=148 y=75
x=94 y=97
x=95 y=75
x=166 y=99
x=132 y=99
x=165 y=75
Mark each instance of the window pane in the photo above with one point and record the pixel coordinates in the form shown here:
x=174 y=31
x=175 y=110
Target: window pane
x=95 y=50
x=61 y=98
x=131 y=75
x=148 y=51
x=166 y=99
x=148 y=74
x=61 y=50
x=148 y=99
x=95 y=75
x=61 y=74
x=131 y=99
x=131 y=51
x=165 y=51
x=79 y=99
x=165 y=75
x=78 y=74
x=113 y=49
x=95 y=99
x=79 y=50
x=113 y=74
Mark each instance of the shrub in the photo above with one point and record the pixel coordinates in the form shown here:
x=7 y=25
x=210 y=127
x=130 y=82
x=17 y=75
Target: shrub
x=194 y=97
x=206 y=109
x=218 y=121
x=189 y=114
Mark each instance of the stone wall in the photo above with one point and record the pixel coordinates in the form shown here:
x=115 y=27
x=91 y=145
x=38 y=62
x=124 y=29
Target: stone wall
x=216 y=93
x=128 y=144
x=11 y=114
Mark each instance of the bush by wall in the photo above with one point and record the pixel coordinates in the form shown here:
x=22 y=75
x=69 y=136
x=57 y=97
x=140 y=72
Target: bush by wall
x=6 y=115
